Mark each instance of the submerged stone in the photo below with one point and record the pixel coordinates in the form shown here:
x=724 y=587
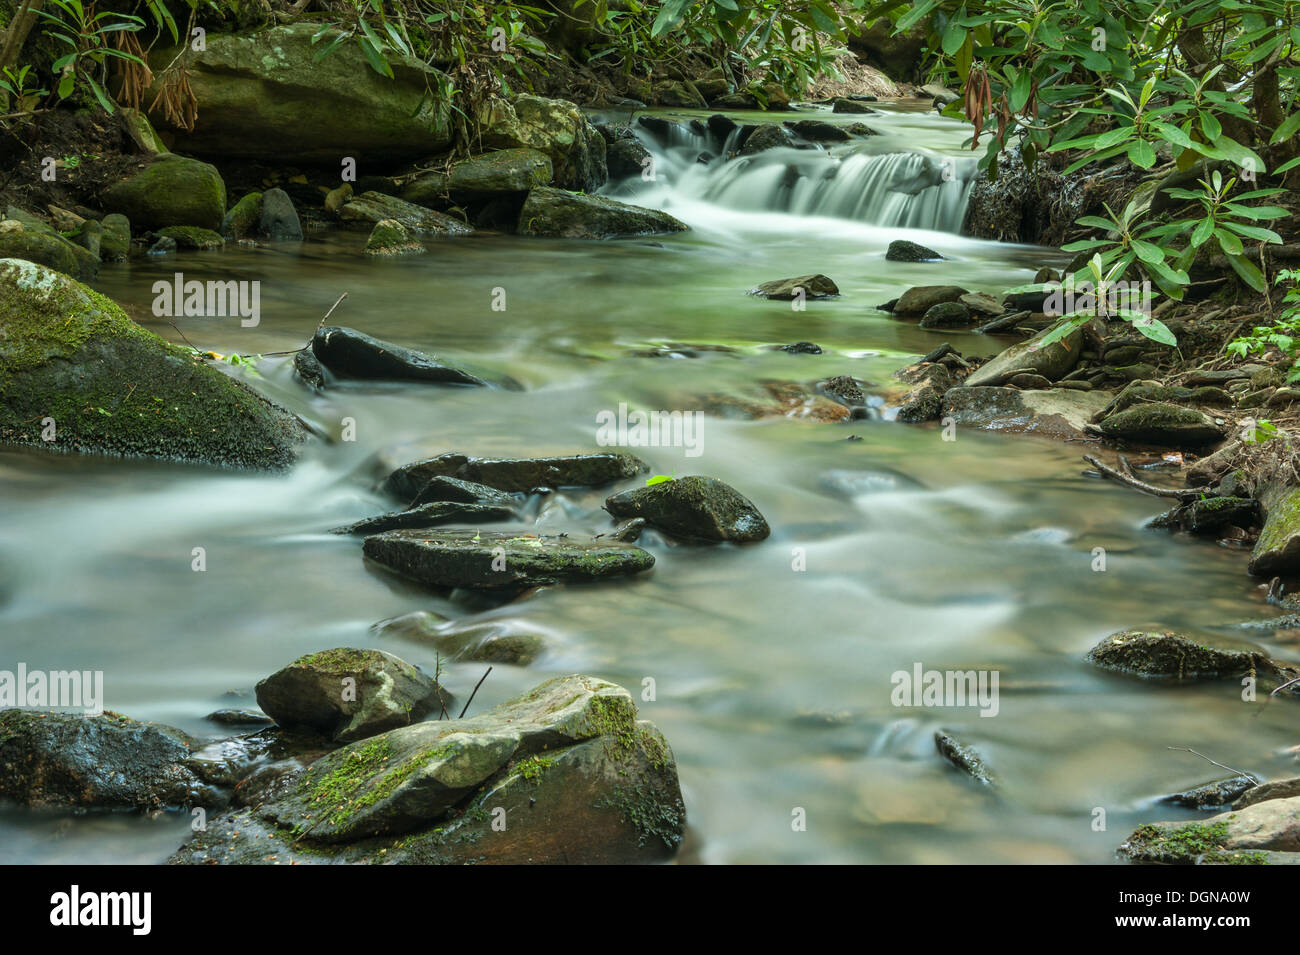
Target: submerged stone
x=811 y=286
x=353 y=354
x=1177 y=657
x=433 y=514
x=694 y=508
x=556 y=213
x=516 y=474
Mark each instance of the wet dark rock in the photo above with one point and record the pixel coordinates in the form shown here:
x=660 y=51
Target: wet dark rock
x=353 y=354
x=516 y=474
x=964 y=758
x=844 y=389
x=1210 y=515
x=765 y=137
x=785 y=290
x=929 y=381
x=901 y=250
x=921 y=298
x=164 y=245
x=375 y=207
x=434 y=514
x=818 y=131
x=482 y=561
x=309 y=368
x=67 y=760
x=556 y=213
x=1163 y=424
x=802 y=348
x=846 y=105
x=626 y=158
x=629 y=531
x=1177 y=657
x=568 y=767
x=456 y=491
x=239 y=718
x=348 y=694
x=279 y=219
x=1214 y=795
x=946 y=315
x=693 y=508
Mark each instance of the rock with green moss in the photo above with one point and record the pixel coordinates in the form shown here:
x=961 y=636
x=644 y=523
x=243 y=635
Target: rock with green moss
x=1210 y=515
x=515 y=474
x=375 y=207
x=1163 y=424
x=391 y=238
x=556 y=213
x=502 y=561
x=269 y=96
x=349 y=694
x=506 y=171
x=693 y=508
x=1052 y=362
x=76 y=374
x=69 y=760
x=1260 y=834
x=563 y=773
x=115 y=241
x=1277 y=551
x=242 y=220
x=554 y=127
x=192 y=237
x=1145 y=392
x=136 y=125
x=1178 y=657
x=46 y=248
x=170 y=190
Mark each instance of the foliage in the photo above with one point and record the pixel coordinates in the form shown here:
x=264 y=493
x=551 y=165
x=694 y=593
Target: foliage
x=89 y=35
x=1283 y=334
x=1098 y=302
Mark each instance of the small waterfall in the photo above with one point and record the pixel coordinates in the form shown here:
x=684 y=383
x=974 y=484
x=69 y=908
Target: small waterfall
x=868 y=180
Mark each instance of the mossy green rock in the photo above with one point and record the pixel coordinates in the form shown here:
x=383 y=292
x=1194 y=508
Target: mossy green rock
x=1265 y=833
x=115 y=242
x=268 y=96
x=242 y=219
x=69 y=354
x=48 y=249
x=694 y=508
x=481 y=177
x=390 y=238
x=349 y=694
x=1178 y=657
x=192 y=237
x=1277 y=551
x=1053 y=362
x=569 y=215
x=376 y=207
x=479 y=561
x=1163 y=424
x=555 y=127
x=170 y=190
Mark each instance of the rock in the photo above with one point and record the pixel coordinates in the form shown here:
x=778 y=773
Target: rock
x=243 y=218
x=812 y=286
x=1215 y=795
x=1178 y=657
x=897 y=55
x=271 y=97
x=628 y=531
x=309 y=368
x=921 y=298
x=693 y=508
x=391 y=238
x=964 y=758
x=901 y=250
x=65 y=221
x=924 y=402
x=1145 y=392
x=1029 y=382
x=939 y=93
x=48 y=249
x=1210 y=515
x=337 y=197
x=165 y=245
x=570 y=770
x=1276 y=789
x=353 y=354
x=1277 y=552
x=489 y=642
x=802 y=348
x=1163 y=424
x=455 y=490
x=478 y=561
x=485 y=176
x=1055 y=413
x=554 y=127
x=982 y=304
x=115 y=243
x=70 y=354
x=376 y=207
x=1053 y=362
x=558 y=214
x=844 y=105
x=843 y=388
x=90 y=237
x=765 y=137
x=347 y=694
x=738 y=100
x=435 y=514
x=1239 y=836
x=192 y=237
x=239 y=718
x=626 y=158
x=279 y=220
x=679 y=93
x=515 y=474
x=946 y=315
x=70 y=761
x=170 y=190
x=819 y=131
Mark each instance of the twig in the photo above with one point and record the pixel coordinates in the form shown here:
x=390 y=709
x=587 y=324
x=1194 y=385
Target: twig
x=182 y=334
x=471 y=696
x=1186 y=494
x=294 y=351
x=1184 y=749
x=332 y=307
x=1284 y=686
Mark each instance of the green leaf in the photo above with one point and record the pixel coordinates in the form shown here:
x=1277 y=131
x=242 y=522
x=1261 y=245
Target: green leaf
x=1249 y=274
x=1253 y=232
x=1020 y=91
x=1211 y=126
x=1201 y=234
x=914 y=16
x=1228 y=242
x=1142 y=154
x=953 y=37
x=1153 y=329
x=1289 y=127
x=1148 y=253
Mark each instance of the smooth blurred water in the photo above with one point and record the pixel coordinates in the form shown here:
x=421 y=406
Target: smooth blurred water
x=772 y=684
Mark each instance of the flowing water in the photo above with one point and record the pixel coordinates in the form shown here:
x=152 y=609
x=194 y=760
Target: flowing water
x=773 y=684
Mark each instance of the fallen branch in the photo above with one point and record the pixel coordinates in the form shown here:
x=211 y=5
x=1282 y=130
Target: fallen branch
x=1184 y=749
x=1185 y=494
x=472 y=695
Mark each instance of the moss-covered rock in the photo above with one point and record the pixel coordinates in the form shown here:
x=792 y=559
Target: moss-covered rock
x=811 y=286
x=170 y=190
x=1261 y=834
x=375 y=207
x=555 y=127
x=192 y=237
x=348 y=694
x=269 y=97
x=693 y=508
x=559 y=214
x=76 y=374
x=505 y=171
x=242 y=220
x=115 y=241
x=1178 y=657
x=1277 y=551
x=391 y=238
x=46 y=248
x=1163 y=424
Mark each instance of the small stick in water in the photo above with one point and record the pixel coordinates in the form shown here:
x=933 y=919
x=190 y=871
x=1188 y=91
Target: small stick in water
x=471 y=696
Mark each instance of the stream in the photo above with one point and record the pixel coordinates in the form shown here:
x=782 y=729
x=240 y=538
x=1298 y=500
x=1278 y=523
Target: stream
x=772 y=684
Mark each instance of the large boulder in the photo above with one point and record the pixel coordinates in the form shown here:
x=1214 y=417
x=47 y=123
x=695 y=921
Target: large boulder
x=1061 y=413
x=170 y=190
x=46 y=247
x=693 y=508
x=565 y=773
x=555 y=127
x=76 y=374
x=898 y=56
x=375 y=207
x=1164 y=424
x=506 y=171
x=268 y=97
x=1277 y=551
x=1263 y=833
x=570 y=215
